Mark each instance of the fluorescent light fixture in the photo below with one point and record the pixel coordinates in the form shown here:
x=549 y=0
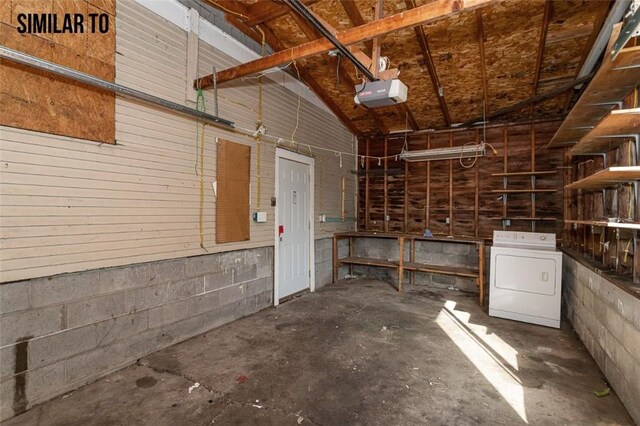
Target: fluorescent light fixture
x=466 y=151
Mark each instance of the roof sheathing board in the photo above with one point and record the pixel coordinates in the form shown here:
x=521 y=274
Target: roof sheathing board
x=456 y=56
x=510 y=73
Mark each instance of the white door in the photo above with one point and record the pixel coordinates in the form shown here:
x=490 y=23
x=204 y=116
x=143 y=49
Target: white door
x=293 y=227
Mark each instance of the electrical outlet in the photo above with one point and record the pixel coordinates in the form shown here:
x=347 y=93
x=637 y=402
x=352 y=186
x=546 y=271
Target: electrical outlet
x=446 y=220
x=507 y=222
x=388 y=218
x=322 y=218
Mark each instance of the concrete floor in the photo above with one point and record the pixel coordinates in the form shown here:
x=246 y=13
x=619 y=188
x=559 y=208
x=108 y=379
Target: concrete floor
x=354 y=353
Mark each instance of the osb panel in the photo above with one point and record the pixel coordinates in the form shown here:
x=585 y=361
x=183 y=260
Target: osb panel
x=40 y=101
x=510 y=73
x=456 y=56
x=332 y=12
x=404 y=52
x=232 y=198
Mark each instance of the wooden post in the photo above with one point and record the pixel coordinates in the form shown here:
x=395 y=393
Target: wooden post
x=481 y=272
x=412 y=258
x=335 y=259
x=406 y=198
x=427 y=206
x=385 y=186
x=400 y=262
x=350 y=255
x=367 y=183
x=451 y=187
x=476 y=201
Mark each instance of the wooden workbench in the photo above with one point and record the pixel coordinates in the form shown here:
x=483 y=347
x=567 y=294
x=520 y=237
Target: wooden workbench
x=401 y=264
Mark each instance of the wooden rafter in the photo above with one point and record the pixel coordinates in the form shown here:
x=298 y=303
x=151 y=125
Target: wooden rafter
x=345 y=77
x=264 y=11
x=356 y=19
x=427 y=13
x=548 y=10
x=483 y=61
x=277 y=45
x=431 y=68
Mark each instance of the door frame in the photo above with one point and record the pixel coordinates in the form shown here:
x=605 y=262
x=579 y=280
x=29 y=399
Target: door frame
x=303 y=159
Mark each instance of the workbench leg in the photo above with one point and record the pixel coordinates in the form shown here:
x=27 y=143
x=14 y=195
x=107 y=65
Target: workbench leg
x=400 y=262
x=350 y=254
x=412 y=258
x=481 y=273
x=335 y=260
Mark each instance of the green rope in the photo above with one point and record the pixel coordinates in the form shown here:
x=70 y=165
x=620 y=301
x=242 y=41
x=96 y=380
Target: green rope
x=200 y=99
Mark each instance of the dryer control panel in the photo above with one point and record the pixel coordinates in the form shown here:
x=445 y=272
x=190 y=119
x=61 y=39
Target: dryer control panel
x=525 y=240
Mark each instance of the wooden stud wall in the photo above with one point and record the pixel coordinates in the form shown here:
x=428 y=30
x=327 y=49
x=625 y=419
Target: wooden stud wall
x=422 y=195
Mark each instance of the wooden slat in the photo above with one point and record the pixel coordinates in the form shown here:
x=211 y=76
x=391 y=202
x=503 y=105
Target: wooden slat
x=439 y=269
x=610 y=132
x=623 y=225
x=611 y=83
x=534 y=173
x=368 y=261
x=548 y=8
x=522 y=191
x=430 y=12
x=607 y=178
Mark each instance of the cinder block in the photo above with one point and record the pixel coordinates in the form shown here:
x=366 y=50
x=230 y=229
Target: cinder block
x=182 y=309
x=14 y=297
x=631 y=340
x=31 y=323
x=202 y=265
x=245 y=272
x=614 y=324
x=218 y=317
x=185 y=288
x=87 y=364
x=231 y=294
x=121 y=327
x=63 y=288
x=183 y=330
x=443 y=279
x=146 y=342
x=7 y=361
x=45 y=381
x=258 y=286
x=57 y=346
x=124 y=278
x=626 y=304
x=147 y=297
x=459 y=249
x=96 y=309
x=217 y=280
x=168 y=270
x=7 y=398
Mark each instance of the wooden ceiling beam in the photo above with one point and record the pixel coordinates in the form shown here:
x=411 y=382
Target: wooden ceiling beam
x=431 y=68
x=429 y=12
x=311 y=33
x=483 y=61
x=231 y=8
x=548 y=10
x=354 y=15
x=276 y=45
x=356 y=19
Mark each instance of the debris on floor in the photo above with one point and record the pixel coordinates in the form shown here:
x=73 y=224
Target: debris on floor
x=193 y=387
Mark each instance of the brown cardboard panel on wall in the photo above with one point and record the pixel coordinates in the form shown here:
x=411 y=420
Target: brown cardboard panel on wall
x=44 y=102
x=232 y=201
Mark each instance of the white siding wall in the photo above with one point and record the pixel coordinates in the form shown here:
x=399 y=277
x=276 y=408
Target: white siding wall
x=71 y=205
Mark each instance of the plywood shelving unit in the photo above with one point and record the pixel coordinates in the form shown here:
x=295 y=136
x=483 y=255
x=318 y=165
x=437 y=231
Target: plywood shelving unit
x=606 y=178
x=609 y=133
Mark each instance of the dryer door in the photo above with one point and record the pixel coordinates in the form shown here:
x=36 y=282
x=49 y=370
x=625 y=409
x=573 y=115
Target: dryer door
x=525 y=271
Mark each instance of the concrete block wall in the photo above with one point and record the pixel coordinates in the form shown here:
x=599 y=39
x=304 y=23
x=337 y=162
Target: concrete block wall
x=324 y=260
x=432 y=252
x=607 y=319
x=61 y=332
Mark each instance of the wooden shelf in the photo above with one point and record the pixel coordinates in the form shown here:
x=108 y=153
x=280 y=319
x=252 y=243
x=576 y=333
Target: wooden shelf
x=523 y=191
x=536 y=173
x=612 y=82
x=623 y=225
x=439 y=269
x=545 y=219
x=367 y=261
x=607 y=177
x=610 y=132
